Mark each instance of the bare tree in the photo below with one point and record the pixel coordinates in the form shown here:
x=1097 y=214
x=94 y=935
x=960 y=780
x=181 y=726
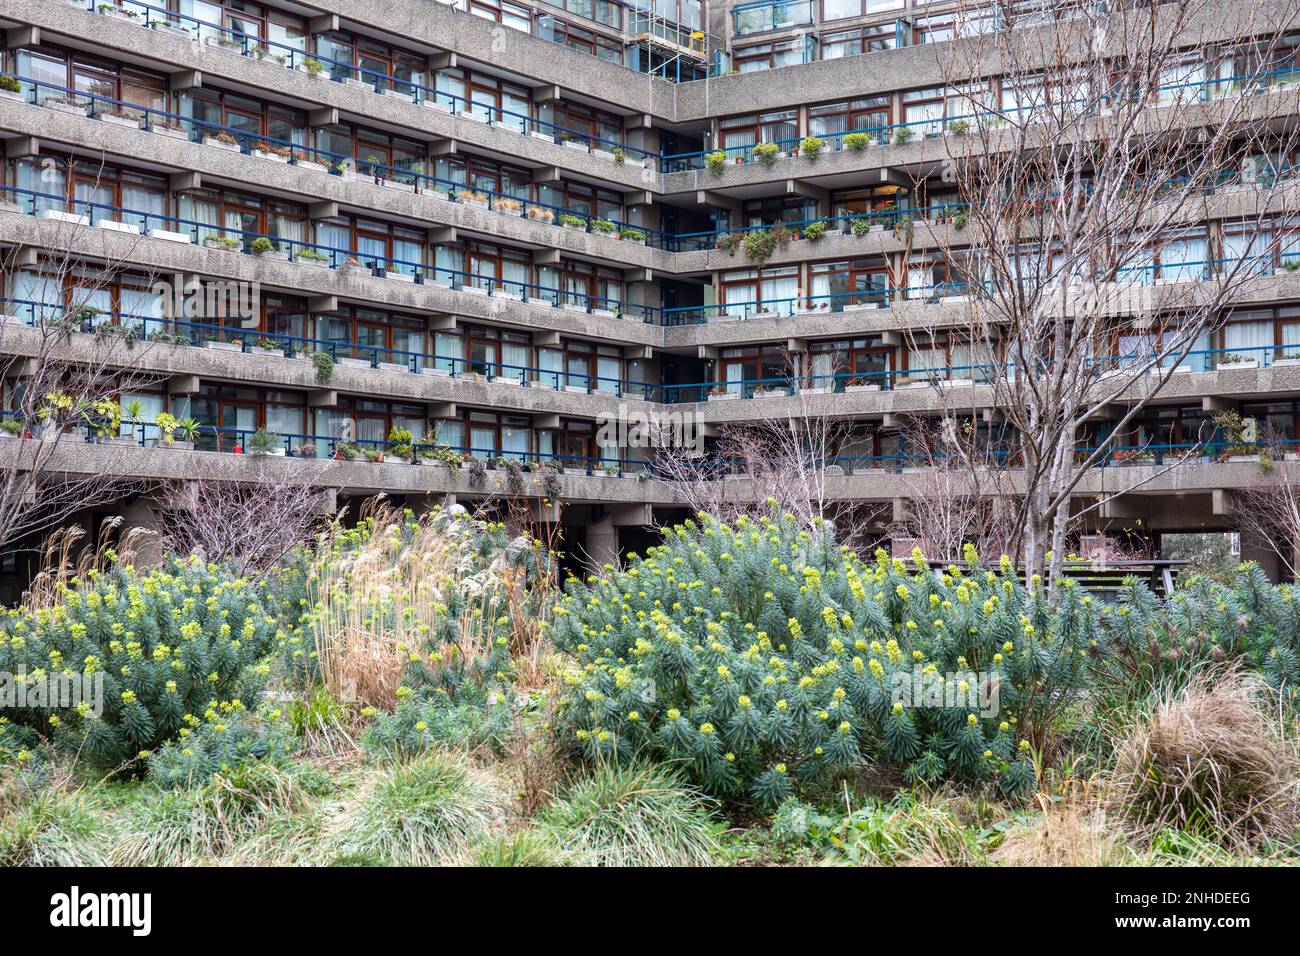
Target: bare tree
x=792 y=458
x=64 y=363
x=250 y=524
x=1090 y=155
x=947 y=503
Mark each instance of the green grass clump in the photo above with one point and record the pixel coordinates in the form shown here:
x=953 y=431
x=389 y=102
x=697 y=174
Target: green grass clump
x=54 y=829
x=422 y=813
x=636 y=815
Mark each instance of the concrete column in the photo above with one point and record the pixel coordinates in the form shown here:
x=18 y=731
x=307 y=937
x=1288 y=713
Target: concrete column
x=141 y=514
x=601 y=545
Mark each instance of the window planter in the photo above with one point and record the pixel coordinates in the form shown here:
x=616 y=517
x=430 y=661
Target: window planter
x=544 y=137
x=473 y=290
x=861 y=306
x=1242 y=459
x=548 y=384
x=66 y=106
x=224 y=346
x=605 y=313
x=861 y=388
x=542 y=302
x=392 y=366
x=724 y=396
x=261 y=350
x=219 y=144
x=112 y=225
x=13 y=95
x=273 y=157
x=129 y=17
x=953 y=299
x=726 y=317
x=170 y=236
x=353 y=363
x=576 y=472
x=399 y=276
x=170 y=30
x=505 y=380
x=433 y=370
x=353 y=83
x=603 y=154
x=577 y=144
x=399 y=95
x=1286 y=363
x=957 y=382
x=175 y=443
x=768 y=393
x=820 y=390
x=309 y=164
x=764 y=315
x=433 y=104
x=277 y=255
x=69 y=217
x=576 y=389
x=172 y=132
x=1237 y=366
x=314 y=263
x=314 y=74
x=225 y=44
x=401 y=187
x=119 y=119
x=471 y=115
x=211 y=242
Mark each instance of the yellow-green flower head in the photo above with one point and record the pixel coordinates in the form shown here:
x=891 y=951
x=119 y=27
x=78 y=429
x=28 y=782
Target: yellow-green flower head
x=706 y=728
x=972 y=719
x=744 y=701
x=674 y=714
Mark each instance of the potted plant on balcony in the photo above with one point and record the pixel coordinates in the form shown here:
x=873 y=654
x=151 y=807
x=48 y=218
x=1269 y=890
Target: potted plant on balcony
x=311 y=257
x=815 y=231
x=306 y=450
x=11 y=426
x=860 y=226
x=268 y=346
x=400 y=444
x=472 y=198
x=603 y=226
x=902 y=135
x=265 y=442
x=1232 y=362
x=276 y=152
x=222 y=140
x=716 y=161
x=10 y=88
x=767 y=153
x=507 y=204
x=226 y=243
x=312 y=67
x=264 y=248
x=810 y=147
x=540 y=214
x=117 y=116
x=629 y=234
x=856 y=142
x=346 y=451
x=570 y=221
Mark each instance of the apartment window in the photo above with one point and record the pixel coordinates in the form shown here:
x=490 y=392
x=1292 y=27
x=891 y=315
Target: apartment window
x=508 y=14
x=232 y=414
x=584 y=285
x=863 y=361
x=496 y=268
x=368 y=422
x=373 y=335
x=62 y=70
x=870 y=113
x=872 y=39
x=483 y=175
x=374 y=243
x=95 y=190
x=768 y=56
x=740 y=131
x=1255 y=329
x=768 y=290
x=380 y=65
x=745 y=369
x=834 y=285
x=580 y=122
x=248 y=120
x=583 y=199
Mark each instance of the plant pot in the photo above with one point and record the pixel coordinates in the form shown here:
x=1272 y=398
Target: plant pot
x=273 y=157
x=114 y=226
x=218 y=144
x=1237 y=366
x=224 y=346
x=131 y=122
x=171 y=132
x=313 y=166
x=169 y=236
x=63 y=106
x=274 y=353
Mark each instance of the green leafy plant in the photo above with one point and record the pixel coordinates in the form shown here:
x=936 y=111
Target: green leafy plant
x=759 y=246
x=195 y=644
x=766 y=153
x=811 y=147
x=856 y=141
x=263 y=442
x=958 y=127
x=903 y=134
x=313 y=67
x=631 y=235
x=262 y=245
x=761 y=657
x=324 y=365
x=10 y=84
x=861 y=227
x=399 y=440
x=716 y=161
x=815 y=231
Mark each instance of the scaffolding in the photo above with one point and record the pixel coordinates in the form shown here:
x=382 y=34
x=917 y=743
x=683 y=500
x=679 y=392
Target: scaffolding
x=668 y=48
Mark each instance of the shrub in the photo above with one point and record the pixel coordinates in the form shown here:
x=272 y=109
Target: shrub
x=638 y=815
x=759 y=245
x=814 y=231
x=164 y=643
x=856 y=141
x=716 y=161
x=263 y=442
x=225 y=740
x=422 y=813
x=904 y=830
x=1206 y=760
x=262 y=245
x=762 y=655
x=861 y=227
